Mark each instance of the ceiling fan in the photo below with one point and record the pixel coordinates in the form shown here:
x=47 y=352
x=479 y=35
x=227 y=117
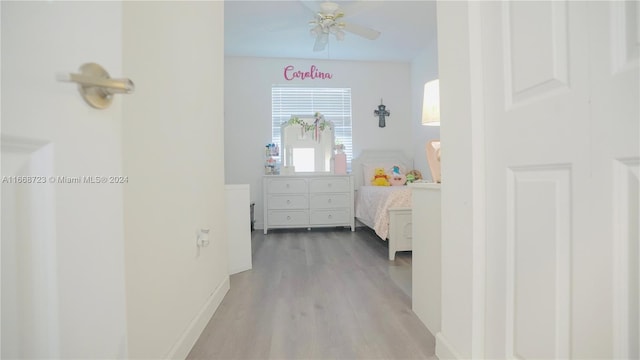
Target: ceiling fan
x=329 y=21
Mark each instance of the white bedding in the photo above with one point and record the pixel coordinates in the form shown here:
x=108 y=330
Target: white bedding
x=373 y=204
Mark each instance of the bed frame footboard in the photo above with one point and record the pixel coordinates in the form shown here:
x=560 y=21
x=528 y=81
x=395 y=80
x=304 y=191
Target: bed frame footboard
x=400 y=231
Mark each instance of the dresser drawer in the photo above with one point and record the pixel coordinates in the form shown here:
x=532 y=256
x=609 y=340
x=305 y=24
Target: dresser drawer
x=329 y=201
x=328 y=217
x=329 y=185
x=287 y=186
x=285 y=201
x=286 y=218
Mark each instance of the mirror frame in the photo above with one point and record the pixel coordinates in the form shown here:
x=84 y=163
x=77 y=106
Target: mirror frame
x=324 y=151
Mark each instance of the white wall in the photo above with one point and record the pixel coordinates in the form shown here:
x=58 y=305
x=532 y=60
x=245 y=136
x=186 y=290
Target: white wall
x=84 y=227
x=247 y=106
x=424 y=68
x=173 y=155
x=455 y=338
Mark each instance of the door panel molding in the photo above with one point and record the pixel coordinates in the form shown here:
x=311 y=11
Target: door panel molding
x=525 y=37
x=538 y=259
x=626 y=255
x=625 y=35
x=30 y=326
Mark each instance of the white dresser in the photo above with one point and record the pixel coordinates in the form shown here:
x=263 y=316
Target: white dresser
x=308 y=201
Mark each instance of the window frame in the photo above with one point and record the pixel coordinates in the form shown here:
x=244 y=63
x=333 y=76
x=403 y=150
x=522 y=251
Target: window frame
x=309 y=100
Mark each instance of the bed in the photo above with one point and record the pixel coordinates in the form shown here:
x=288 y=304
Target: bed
x=385 y=209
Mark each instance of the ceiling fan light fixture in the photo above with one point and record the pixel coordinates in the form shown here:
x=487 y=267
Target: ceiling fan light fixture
x=327 y=22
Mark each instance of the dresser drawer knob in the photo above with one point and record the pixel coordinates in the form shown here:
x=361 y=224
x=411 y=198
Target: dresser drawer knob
x=330 y=217
x=288 y=217
x=288 y=202
x=329 y=201
x=288 y=186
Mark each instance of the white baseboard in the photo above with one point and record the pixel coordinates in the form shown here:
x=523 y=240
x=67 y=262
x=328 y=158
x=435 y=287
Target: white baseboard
x=183 y=346
x=444 y=349
x=239 y=269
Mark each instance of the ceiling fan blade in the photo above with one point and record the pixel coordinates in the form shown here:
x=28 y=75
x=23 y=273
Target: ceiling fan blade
x=321 y=42
x=365 y=32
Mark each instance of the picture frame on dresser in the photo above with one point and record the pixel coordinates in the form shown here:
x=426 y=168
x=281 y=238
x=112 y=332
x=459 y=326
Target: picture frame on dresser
x=308 y=201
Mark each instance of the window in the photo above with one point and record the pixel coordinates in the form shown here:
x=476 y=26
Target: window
x=333 y=103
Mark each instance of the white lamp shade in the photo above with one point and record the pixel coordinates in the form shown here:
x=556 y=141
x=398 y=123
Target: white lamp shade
x=431 y=103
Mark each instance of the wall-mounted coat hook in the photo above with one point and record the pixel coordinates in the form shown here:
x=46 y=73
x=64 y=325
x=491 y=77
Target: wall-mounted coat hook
x=95 y=85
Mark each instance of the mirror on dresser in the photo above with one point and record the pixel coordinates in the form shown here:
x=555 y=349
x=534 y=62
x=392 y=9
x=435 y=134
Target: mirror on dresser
x=307 y=145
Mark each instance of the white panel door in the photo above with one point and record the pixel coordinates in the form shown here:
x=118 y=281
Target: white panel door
x=62 y=238
x=561 y=131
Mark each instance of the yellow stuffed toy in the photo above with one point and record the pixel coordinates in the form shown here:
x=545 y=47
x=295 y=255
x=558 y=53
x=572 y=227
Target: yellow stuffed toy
x=380 y=178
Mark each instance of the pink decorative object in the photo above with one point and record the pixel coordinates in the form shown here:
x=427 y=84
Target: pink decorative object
x=340 y=164
x=433 y=158
x=397 y=178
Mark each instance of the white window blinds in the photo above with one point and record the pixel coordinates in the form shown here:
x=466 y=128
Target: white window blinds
x=333 y=103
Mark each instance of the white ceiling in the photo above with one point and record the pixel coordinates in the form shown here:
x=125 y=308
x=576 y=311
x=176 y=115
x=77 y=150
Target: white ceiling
x=281 y=29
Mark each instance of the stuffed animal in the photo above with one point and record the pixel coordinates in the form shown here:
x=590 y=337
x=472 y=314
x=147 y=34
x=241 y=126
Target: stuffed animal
x=380 y=178
x=414 y=175
x=397 y=179
x=410 y=178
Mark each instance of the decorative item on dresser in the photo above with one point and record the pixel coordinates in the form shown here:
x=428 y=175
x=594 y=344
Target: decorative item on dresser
x=433 y=158
x=301 y=201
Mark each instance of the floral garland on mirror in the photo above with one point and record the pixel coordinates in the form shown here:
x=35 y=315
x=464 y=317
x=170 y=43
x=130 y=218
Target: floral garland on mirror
x=316 y=128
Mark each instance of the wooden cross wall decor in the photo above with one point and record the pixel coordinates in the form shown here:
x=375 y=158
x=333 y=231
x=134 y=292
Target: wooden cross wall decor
x=381 y=113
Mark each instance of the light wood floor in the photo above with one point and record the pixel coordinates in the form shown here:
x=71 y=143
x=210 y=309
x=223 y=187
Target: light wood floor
x=319 y=294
